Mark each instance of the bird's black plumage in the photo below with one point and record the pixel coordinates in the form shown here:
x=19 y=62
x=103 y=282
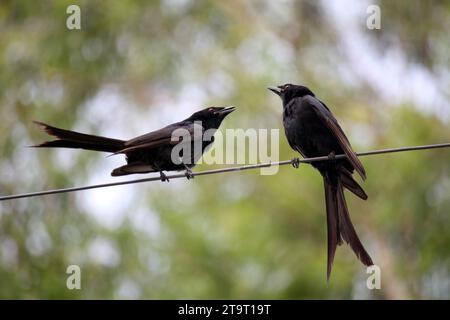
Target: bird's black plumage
x=151 y=152
x=313 y=131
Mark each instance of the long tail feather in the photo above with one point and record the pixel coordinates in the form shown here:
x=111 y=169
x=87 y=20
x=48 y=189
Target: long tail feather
x=339 y=224
x=76 y=140
x=347 y=230
x=333 y=234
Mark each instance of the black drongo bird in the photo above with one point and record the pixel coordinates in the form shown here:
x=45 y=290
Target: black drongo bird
x=313 y=131
x=151 y=152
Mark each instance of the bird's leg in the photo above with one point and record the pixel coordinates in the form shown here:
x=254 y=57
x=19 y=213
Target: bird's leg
x=332 y=157
x=188 y=173
x=163 y=177
x=295 y=162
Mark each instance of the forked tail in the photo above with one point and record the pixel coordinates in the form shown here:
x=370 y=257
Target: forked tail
x=339 y=225
x=76 y=140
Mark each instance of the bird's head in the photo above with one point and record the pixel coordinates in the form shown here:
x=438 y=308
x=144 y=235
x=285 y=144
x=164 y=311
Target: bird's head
x=288 y=91
x=211 y=117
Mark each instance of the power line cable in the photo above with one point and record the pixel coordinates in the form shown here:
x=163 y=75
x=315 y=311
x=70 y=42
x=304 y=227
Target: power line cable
x=222 y=170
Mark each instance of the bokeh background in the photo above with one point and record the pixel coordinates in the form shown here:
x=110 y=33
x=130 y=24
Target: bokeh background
x=138 y=65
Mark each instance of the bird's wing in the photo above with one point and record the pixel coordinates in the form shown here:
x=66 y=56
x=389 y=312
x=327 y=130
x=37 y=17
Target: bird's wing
x=330 y=121
x=169 y=135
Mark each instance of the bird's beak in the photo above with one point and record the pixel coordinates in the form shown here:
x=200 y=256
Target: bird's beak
x=227 y=110
x=276 y=90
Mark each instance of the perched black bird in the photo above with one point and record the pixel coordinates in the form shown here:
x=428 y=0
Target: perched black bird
x=151 y=152
x=313 y=131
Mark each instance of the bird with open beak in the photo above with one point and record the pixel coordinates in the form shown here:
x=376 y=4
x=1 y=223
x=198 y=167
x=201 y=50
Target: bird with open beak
x=151 y=152
x=313 y=131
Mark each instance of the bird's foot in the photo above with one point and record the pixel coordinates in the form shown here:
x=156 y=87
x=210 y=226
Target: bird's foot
x=188 y=172
x=295 y=163
x=332 y=156
x=189 y=175
x=163 y=177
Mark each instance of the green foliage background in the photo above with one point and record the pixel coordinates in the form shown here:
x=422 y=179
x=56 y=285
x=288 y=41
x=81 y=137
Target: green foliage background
x=226 y=236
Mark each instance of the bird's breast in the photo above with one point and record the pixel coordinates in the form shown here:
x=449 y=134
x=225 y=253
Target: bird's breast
x=307 y=133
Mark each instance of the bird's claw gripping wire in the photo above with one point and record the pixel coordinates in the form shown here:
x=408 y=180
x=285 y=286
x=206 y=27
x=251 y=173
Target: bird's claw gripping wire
x=163 y=177
x=295 y=163
x=189 y=174
x=332 y=156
